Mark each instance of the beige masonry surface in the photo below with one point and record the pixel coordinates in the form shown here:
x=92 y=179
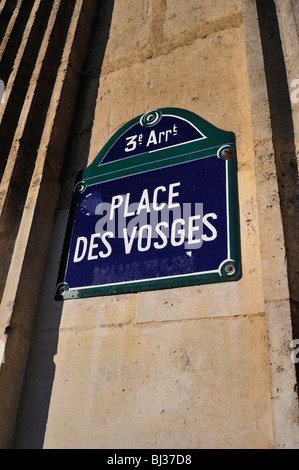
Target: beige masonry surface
x=195 y=367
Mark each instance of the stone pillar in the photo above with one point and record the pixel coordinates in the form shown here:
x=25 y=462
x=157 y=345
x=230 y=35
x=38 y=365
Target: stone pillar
x=42 y=53
x=205 y=366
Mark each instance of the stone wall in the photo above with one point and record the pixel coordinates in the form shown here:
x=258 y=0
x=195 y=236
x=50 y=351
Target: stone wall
x=206 y=366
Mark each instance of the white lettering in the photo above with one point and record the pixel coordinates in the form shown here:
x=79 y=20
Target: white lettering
x=148 y=238
x=129 y=241
x=131 y=145
x=172 y=204
x=107 y=245
x=157 y=207
x=166 y=135
x=160 y=136
x=210 y=227
x=92 y=246
x=126 y=213
x=144 y=202
x=82 y=246
x=192 y=229
x=180 y=232
x=115 y=205
x=162 y=235
x=152 y=138
x=78 y=258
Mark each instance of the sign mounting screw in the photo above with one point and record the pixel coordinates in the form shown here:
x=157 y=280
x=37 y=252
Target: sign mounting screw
x=226 y=152
x=230 y=269
x=61 y=290
x=80 y=187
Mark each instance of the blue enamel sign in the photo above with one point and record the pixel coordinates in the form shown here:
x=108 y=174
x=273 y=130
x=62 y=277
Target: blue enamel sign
x=157 y=208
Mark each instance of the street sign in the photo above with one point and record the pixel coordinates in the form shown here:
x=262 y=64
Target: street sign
x=157 y=208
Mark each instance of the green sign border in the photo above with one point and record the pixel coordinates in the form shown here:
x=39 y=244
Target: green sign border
x=221 y=143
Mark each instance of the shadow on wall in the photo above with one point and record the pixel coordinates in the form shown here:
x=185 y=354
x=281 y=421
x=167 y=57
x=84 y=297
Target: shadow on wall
x=284 y=146
x=36 y=396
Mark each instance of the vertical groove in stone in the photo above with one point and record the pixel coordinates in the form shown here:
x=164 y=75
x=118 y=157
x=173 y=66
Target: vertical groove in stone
x=20 y=75
x=272 y=35
x=9 y=53
x=263 y=60
x=2 y=5
x=10 y=27
x=295 y=7
x=6 y=10
x=23 y=154
x=59 y=38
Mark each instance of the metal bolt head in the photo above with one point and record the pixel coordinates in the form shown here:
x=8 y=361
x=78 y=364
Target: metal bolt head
x=61 y=290
x=227 y=153
x=80 y=187
x=229 y=269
